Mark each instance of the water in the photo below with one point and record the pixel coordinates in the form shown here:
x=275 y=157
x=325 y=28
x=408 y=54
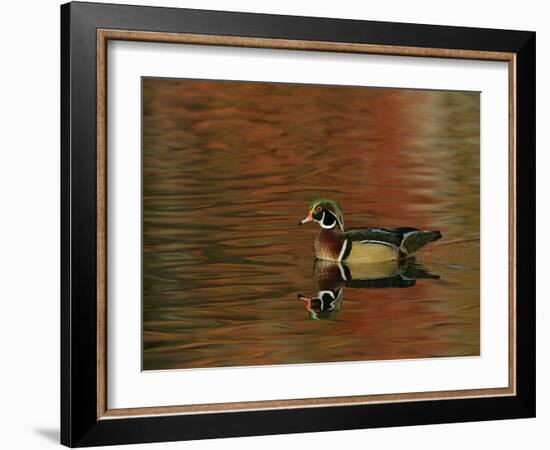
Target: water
x=228 y=170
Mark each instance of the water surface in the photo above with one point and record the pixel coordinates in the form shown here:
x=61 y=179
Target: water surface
x=228 y=170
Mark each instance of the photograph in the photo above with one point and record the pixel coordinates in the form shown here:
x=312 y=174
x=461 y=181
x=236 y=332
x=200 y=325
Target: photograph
x=287 y=223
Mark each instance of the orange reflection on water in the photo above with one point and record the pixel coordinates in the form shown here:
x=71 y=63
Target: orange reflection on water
x=228 y=169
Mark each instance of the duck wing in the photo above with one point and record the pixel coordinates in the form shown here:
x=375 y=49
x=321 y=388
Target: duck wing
x=407 y=239
x=393 y=236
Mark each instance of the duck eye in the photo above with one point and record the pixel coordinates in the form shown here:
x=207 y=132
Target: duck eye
x=318 y=208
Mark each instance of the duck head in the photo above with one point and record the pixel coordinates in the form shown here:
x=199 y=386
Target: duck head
x=325 y=305
x=326 y=212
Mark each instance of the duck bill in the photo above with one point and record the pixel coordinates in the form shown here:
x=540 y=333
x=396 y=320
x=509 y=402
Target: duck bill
x=307 y=219
x=307 y=301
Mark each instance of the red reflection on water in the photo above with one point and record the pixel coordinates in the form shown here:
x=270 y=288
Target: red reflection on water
x=228 y=169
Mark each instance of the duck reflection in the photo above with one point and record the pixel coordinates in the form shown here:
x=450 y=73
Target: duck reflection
x=333 y=277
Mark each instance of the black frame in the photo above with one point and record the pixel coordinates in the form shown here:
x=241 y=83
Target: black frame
x=79 y=423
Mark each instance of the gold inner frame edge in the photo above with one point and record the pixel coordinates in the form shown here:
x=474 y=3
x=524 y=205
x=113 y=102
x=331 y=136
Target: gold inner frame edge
x=103 y=36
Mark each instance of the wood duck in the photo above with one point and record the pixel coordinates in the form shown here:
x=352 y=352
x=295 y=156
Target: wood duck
x=361 y=245
x=333 y=277
x=324 y=305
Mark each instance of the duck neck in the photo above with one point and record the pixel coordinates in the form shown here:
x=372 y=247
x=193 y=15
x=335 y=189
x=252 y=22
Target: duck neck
x=333 y=232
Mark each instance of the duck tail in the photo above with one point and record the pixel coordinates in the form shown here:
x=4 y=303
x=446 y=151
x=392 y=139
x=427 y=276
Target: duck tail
x=416 y=240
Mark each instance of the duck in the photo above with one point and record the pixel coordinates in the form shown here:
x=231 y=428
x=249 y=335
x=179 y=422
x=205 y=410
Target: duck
x=333 y=277
x=324 y=305
x=361 y=245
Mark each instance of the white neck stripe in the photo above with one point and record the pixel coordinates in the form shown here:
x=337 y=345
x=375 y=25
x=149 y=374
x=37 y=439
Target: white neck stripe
x=326 y=227
x=337 y=219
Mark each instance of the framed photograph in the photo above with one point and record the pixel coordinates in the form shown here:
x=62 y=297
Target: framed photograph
x=277 y=224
